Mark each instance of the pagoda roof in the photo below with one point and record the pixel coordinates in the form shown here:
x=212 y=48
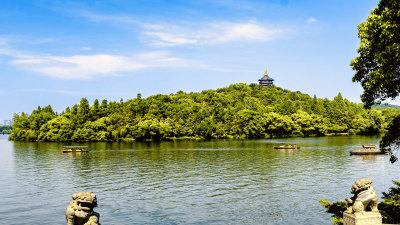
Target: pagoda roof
x=265 y=77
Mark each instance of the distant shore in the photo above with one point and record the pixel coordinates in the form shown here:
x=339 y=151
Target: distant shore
x=239 y=111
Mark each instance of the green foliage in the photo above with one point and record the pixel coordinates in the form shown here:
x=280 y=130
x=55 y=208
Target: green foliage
x=389 y=207
x=5 y=129
x=377 y=66
x=392 y=133
x=240 y=110
x=336 y=208
x=83 y=112
x=58 y=129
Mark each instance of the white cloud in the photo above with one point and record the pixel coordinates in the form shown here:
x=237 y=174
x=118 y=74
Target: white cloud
x=96 y=17
x=87 y=66
x=211 y=33
x=90 y=66
x=5 y=48
x=312 y=20
x=166 y=39
x=196 y=33
x=79 y=66
x=69 y=92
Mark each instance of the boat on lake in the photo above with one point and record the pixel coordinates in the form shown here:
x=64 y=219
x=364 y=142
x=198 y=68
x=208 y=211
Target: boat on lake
x=67 y=149
x=287 y=146
x=369 y=149
x=369 y=146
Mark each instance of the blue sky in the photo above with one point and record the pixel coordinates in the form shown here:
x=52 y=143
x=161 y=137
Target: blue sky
x=56 y=52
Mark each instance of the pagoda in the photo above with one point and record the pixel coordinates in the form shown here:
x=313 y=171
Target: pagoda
x=266 y=80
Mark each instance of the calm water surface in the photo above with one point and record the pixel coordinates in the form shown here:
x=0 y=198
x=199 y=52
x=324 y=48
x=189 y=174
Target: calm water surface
x=187 y=182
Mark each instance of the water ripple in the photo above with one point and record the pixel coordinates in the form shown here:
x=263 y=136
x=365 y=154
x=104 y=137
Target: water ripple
x=187 y=182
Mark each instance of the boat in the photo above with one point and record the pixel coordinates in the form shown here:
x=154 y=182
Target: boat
x=67 y=149
x=369 y=150
x=287 y=146
x=369 y=146
x=366 y=151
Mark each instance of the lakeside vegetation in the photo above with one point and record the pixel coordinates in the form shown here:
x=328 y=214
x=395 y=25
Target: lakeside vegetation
x=237 y=111
x=5 y=129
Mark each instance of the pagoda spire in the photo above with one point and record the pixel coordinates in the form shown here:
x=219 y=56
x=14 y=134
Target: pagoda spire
x=266 y=80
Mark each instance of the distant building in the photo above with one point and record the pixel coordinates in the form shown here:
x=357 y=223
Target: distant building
x=266 y=80
x=7 y=122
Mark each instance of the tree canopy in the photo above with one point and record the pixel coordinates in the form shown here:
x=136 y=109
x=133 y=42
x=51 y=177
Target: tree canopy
x=378 y=64
x=237 y=111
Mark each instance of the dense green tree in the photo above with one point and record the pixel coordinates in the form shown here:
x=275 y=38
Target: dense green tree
x=83 y=112
x=316 y=106
x=58 y=129
x=240 y=110
x=21 y=126
x=378 y=64
x=95 y=112
x=103 y=107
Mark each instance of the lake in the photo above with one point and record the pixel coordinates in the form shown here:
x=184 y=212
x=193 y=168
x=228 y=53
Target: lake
x=188 y=182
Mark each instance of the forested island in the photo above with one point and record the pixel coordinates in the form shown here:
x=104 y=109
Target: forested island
x=237 y=111
x=5 y=129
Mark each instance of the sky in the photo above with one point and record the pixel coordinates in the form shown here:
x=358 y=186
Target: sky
x=56 y=52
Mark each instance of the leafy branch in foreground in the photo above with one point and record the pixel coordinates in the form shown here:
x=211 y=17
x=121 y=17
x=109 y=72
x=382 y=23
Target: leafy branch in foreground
x=336 y=208
x=378 y=64
x=390 y=207
x=390 y=139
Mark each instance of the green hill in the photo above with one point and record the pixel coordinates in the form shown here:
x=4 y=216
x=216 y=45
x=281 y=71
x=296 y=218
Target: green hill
x=237 y=111
x=384 y=106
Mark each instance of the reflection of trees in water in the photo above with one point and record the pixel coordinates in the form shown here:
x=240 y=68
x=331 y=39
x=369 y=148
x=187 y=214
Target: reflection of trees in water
x=105 y=160
x=368 y=157
x=226 y=177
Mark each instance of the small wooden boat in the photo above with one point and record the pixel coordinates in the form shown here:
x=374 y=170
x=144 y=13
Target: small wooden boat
x=369 y=150
x=71 y=149
x=369 y=146
x=287 y=147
